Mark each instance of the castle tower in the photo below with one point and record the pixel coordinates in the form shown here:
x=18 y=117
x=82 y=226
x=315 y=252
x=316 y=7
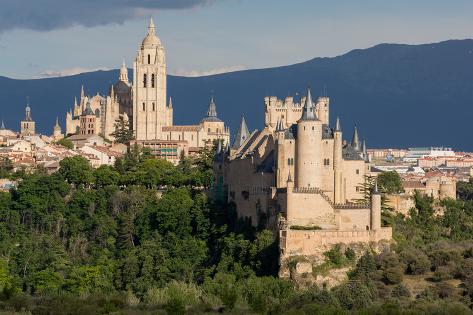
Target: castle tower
x=149 y=88
x=337 y=163
x=323 y=110
x=27 y=124
x=241 y=135
x=308 y=147
x=280 y=155
x=57 y=132
x=375 y=209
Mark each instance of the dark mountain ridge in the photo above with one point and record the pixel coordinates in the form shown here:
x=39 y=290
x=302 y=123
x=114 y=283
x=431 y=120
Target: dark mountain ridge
x=398 y=95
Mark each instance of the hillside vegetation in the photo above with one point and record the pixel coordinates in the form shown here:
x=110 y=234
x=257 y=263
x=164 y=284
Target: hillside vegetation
x=143 y=238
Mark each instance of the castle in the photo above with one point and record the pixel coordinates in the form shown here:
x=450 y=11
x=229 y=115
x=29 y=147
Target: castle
x=299 y=177
x=143 y=104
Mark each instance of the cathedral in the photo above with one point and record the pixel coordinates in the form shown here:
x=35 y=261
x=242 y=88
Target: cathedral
x=298 y=177
x=143 y=104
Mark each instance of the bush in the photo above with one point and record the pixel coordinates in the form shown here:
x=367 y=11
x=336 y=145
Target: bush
x=400 y=290
x=335 y=256
x=417 y=263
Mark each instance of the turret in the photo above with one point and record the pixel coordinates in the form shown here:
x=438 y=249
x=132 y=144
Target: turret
x=289 y=196
x=337 y=163
x=280 y=155
x=375 y=209
x=355 y=141
x=308 y=147
x=323 y=110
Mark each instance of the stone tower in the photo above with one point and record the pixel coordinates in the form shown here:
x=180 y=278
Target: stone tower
x=149 y=88
x=57 y=132
x=308 y=147
x=27 y=124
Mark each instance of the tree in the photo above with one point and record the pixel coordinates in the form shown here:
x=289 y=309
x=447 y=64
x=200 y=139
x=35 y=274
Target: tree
x=65 y=142
x=6 y=166
x=106 y=176
x=123 y=133
x=390 y=182
x=76 y=170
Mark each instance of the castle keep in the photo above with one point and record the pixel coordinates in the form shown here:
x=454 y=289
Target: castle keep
x=299 y=177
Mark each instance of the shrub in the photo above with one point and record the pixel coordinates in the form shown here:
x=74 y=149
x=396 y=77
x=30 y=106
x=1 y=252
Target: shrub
x=400 y=290
x=417 y=263
x=335 y=255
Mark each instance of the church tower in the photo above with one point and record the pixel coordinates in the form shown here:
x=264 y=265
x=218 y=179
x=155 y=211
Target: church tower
x=150 y=112
x=27 y=124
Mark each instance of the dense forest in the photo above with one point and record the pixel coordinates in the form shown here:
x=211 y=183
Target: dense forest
x=142 y=237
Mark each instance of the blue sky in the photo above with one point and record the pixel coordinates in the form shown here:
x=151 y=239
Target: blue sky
x=209 y=36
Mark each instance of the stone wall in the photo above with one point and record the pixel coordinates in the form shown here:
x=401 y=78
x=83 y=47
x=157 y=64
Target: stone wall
x=301 y=242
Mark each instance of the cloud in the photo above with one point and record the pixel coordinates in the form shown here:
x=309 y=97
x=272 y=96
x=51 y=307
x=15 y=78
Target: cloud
x=67 y=72
x=197 y=73
x=45 y=15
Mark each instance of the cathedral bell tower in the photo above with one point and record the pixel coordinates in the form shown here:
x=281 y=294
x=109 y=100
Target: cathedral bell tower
x=149 y=88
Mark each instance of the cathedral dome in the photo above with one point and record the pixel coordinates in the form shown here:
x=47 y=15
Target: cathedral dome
x=121 y=87
x=151 y=40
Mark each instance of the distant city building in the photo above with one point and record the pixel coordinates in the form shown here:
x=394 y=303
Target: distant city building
x=414 y=154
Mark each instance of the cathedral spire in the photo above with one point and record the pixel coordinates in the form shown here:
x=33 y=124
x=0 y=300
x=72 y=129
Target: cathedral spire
x=365 y=152
x=112 y=93
x=2 y=127
x=57 y=122
x=212 y=110
x=308 y=110
x=170 y=102
x=242 y=134
x=75 y=101
x=82 y=94
x=355 y=141
x=151 y=28
x=123 y=73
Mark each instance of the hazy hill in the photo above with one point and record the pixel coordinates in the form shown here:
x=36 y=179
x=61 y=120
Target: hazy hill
x=398 y=95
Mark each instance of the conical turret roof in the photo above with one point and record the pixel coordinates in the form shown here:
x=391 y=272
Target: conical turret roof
x=242 y=134
x=308 y=110
x=355 y=141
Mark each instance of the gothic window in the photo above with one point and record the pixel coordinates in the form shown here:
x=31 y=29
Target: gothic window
x=208 y=130
x=288 y=161
x=152 y=80
x=154 y=107
x=145 y=78
x=357 y=171
x=143 y=106
x=149 y=59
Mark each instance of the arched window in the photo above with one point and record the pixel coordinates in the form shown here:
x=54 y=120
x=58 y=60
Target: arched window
x=154 y=107
x=149 y=59
x=145 y=78
x=144 y=108
x=208 y=130
x=152 y=80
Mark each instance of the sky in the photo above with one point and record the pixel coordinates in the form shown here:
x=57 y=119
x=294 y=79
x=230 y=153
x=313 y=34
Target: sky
x=44 y=38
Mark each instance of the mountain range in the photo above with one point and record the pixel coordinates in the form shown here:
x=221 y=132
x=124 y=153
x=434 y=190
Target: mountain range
x=398 y=95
